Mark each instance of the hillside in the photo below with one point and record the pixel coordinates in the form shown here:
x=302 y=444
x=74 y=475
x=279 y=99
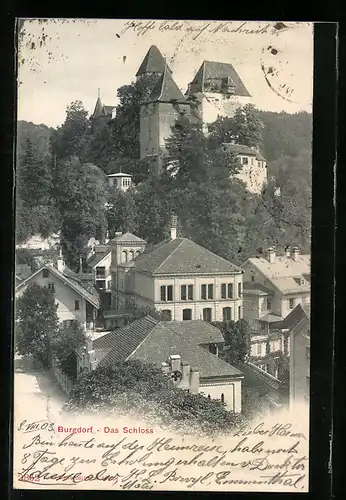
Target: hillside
x=38 y=134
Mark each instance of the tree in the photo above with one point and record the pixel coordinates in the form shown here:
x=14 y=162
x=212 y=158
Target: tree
x=36 y=322
x=245 y=127
x=70 y=139
x=133 y=387
x=81 y=192
x=121 y=212
x=63 y=347
x=237 y=340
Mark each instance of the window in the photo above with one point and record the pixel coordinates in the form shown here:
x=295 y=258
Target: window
x=131 y=255
x=76 y=305
x=187 y=314
x=100 y=272
x=227 y=314
x=124 y=256
x=167 y=315
x=291 y=303
x=307 y=352
x=210 y=291
x=239 y=312
x=239 y=289
x=269 y=303
x=223 y=291
x=252 y=277
x=245 y=160
x=166 y=293
x=45 y=273
x=51 y=286
x=190 y=292
x=230 y=291
x=251 y=161
x=203 y=292
x=207 y=314
x=259 y=349
x=227 y=291
x=138 y=253
x=183 y=295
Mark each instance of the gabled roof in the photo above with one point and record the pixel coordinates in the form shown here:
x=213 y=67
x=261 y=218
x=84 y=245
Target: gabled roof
x=101 y=109
x=241 y=149
x=300 y=312
x=284 y=271
x=182 y=256
x=91 y=295
x=97 y=258
x=153 y=62
x=166 y=90
x=152 y=341
x=128 y=237
x=212 y=70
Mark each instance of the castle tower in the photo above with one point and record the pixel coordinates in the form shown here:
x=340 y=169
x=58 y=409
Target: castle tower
x=218 y=90
x=102 y=114
x=153 y=63
x=158 y=114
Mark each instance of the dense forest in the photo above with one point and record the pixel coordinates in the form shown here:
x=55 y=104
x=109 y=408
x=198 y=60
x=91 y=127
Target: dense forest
x=62 y=186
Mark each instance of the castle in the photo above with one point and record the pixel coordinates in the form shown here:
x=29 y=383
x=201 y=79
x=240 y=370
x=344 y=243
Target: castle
x=215 y=91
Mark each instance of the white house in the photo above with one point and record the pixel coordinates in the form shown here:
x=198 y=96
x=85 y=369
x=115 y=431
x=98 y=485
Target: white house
x=120 y=180
x=75 y=301
x=273 y=286
x=253 y=166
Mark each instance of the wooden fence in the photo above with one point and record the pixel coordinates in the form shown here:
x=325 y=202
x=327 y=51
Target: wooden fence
x=63 y=380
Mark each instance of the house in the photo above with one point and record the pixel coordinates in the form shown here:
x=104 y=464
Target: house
x=253 y=166
x=100 y=265
x=273 y=286
x=218 y=90
x=120 y=180
x=76 y=299
x=297 y=326
x=185 y=350
x=102 y=113
x=180 y=279
x=37 y=242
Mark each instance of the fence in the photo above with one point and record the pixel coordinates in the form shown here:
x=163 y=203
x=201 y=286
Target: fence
x=63 y=380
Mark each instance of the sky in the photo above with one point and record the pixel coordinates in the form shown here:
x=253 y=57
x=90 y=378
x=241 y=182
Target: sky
x=63 y=60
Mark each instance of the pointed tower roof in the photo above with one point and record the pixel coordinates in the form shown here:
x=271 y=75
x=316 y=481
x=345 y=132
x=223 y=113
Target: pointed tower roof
x=213 y=70
x=153 y=62
x=99 y=108
x=166 y=90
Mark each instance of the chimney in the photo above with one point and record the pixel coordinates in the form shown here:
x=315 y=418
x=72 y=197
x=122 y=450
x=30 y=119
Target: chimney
x=295 y=253
x=174 y=223
x=80 y=265
x=60 y=263
x=287 y=252
x=194 y=381
x=271 y=255
x=175 y=362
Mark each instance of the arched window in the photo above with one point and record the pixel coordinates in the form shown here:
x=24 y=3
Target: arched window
x=227 y=314
x=222 y=398
x=131 y=255
x=138 y=253
x=124 y=256
x=207 y=314
x=167 y=315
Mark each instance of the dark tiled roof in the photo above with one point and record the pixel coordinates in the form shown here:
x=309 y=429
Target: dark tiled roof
x=241 y=149
x=99 y=109
x=212 y=70
x=109 y=109
x=166 y=90
x=123 y=341
x=153 y=62
x=295 y=316
x=182 y=256
x=152 y=341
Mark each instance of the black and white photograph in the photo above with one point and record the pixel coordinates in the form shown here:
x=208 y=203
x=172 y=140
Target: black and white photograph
x=163 y=192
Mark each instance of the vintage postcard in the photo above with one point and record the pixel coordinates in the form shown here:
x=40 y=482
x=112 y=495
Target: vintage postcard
x=162 y=278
